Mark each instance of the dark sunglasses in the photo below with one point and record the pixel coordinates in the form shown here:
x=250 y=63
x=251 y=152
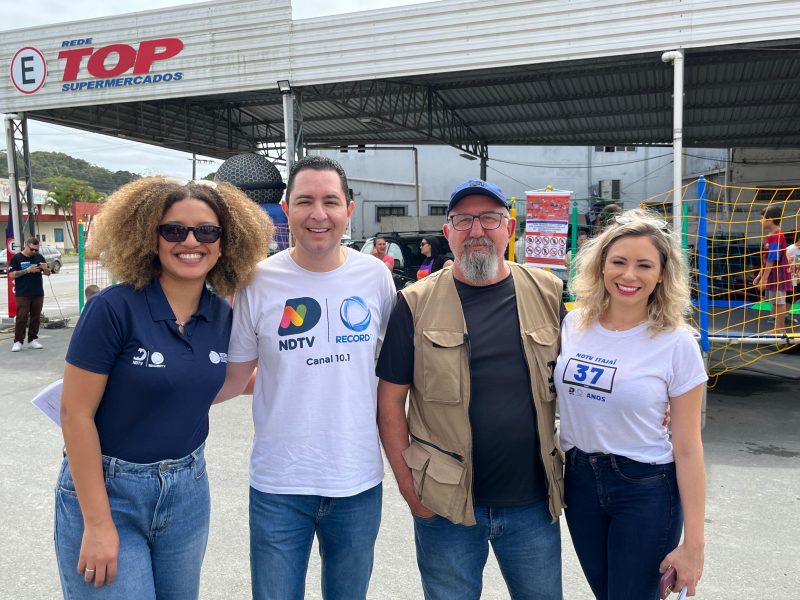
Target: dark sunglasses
x=205 y=234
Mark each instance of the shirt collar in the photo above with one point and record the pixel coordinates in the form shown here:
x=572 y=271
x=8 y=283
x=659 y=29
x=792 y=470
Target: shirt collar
x=160 y=310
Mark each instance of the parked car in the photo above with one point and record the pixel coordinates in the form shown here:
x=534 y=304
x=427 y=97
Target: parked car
x=52 y=256
x=354 y=244
x=404 y=248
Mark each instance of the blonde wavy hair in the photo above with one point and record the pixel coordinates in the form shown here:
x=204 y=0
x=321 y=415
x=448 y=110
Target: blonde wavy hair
x=670 y=301
x=125 y=234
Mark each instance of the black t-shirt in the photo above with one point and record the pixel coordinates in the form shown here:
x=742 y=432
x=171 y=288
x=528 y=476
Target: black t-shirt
x=507 y=468
x=29 y=284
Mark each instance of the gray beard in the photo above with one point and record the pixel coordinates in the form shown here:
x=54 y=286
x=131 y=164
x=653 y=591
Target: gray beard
x=479 y=266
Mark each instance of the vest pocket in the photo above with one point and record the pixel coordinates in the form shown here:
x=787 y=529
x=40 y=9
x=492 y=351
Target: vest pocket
x=438 y=480
x=442 y=358
x=543 y=342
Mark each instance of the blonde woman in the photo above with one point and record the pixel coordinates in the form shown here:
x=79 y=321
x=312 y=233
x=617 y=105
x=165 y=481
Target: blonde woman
x=144 y=363
x=626 y=354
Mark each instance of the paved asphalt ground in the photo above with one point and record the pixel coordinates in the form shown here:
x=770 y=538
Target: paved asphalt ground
x=752 y=442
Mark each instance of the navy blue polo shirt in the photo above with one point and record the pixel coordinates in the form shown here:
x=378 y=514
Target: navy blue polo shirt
x=160 y=382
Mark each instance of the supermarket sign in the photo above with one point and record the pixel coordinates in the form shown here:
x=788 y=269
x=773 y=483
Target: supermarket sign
x=86 y=66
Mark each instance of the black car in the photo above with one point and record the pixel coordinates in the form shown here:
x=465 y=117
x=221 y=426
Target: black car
x=404 y=248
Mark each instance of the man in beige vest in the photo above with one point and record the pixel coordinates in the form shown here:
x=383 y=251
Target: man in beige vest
x=476 y=457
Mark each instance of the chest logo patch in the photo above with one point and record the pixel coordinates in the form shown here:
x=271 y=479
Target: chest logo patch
x=140 y=357
x=299 y=315
x=355 y=313
x=217 y=357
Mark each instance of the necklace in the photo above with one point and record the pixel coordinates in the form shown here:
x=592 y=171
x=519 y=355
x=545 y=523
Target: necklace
x=611 y=327
x=182 y=324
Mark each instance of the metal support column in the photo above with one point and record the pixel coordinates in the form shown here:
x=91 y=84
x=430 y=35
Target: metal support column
x=19 y=171
x=484 y=150
x=676 y=58
x=292 y=126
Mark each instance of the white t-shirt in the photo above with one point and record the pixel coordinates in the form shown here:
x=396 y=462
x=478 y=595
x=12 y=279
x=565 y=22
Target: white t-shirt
x=793 y=256
x=315 y=400
x=613 y=387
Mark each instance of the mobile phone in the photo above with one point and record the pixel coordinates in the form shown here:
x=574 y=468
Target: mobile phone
x=667 y=582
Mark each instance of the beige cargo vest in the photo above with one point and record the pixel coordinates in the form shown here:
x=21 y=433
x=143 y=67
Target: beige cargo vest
x=440 y=454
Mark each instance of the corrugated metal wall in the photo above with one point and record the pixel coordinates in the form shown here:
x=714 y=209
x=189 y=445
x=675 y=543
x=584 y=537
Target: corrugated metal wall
x=242 y=45
x=238 y=45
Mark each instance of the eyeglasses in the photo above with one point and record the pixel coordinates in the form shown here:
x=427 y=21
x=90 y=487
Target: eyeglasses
x=184 y=182
x=205 y=234
x=658 y=223
x=488 y=220
x=421 y=244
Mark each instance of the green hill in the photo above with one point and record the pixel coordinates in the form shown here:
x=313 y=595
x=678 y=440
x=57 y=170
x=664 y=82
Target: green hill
x=45 y=165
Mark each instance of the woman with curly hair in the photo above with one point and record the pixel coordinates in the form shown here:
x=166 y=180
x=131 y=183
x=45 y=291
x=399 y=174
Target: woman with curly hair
x=627 y=354
x=144 y=363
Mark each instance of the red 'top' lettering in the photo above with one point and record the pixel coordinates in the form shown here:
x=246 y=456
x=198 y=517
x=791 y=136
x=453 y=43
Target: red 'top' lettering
x=126 y=57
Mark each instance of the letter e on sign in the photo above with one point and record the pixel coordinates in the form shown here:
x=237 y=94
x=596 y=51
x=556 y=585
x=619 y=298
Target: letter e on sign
x=28 y=70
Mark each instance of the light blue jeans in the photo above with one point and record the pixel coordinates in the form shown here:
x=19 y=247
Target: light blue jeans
x=282 y=528
x=161 y=511
x=526 y=543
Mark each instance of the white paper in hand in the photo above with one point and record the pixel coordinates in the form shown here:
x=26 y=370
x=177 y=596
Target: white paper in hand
x=49 y=401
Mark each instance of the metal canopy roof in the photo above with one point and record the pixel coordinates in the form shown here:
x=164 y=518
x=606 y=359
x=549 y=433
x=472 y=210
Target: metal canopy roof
x=744 y=95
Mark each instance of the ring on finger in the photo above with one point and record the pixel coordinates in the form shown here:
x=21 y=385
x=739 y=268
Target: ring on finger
x=88 y=570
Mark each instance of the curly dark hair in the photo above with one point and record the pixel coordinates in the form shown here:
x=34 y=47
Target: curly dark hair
x=126 y=232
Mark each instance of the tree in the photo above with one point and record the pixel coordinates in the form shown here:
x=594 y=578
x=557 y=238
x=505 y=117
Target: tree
x=66 y=190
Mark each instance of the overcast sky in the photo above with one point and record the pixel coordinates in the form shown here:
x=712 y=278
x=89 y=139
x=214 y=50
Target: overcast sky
x=113 y=153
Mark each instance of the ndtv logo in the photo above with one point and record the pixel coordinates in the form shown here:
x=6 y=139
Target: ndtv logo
x=29 y=67
x=115 y=59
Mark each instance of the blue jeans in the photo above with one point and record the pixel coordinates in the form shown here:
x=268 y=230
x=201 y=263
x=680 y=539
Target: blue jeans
x=624 y=517
x=526 y=543
x=282 y=528
x=161 y=511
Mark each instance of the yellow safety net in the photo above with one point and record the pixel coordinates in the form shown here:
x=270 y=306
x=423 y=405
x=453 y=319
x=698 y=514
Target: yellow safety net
x=739 y=321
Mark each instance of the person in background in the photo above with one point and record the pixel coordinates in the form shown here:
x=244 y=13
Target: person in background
x=626 y=355
x=26 y=269
x=90 y=291
x=774 y=278
x=793 y=257
x=379 y=252
x=143 y=366
x=434 y=260
x=607 y=215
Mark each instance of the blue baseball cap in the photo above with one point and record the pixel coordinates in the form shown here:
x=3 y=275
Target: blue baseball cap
x=477 y=187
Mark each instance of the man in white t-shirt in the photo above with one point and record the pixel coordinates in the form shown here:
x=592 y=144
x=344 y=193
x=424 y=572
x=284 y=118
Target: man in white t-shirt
x=311 y=321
